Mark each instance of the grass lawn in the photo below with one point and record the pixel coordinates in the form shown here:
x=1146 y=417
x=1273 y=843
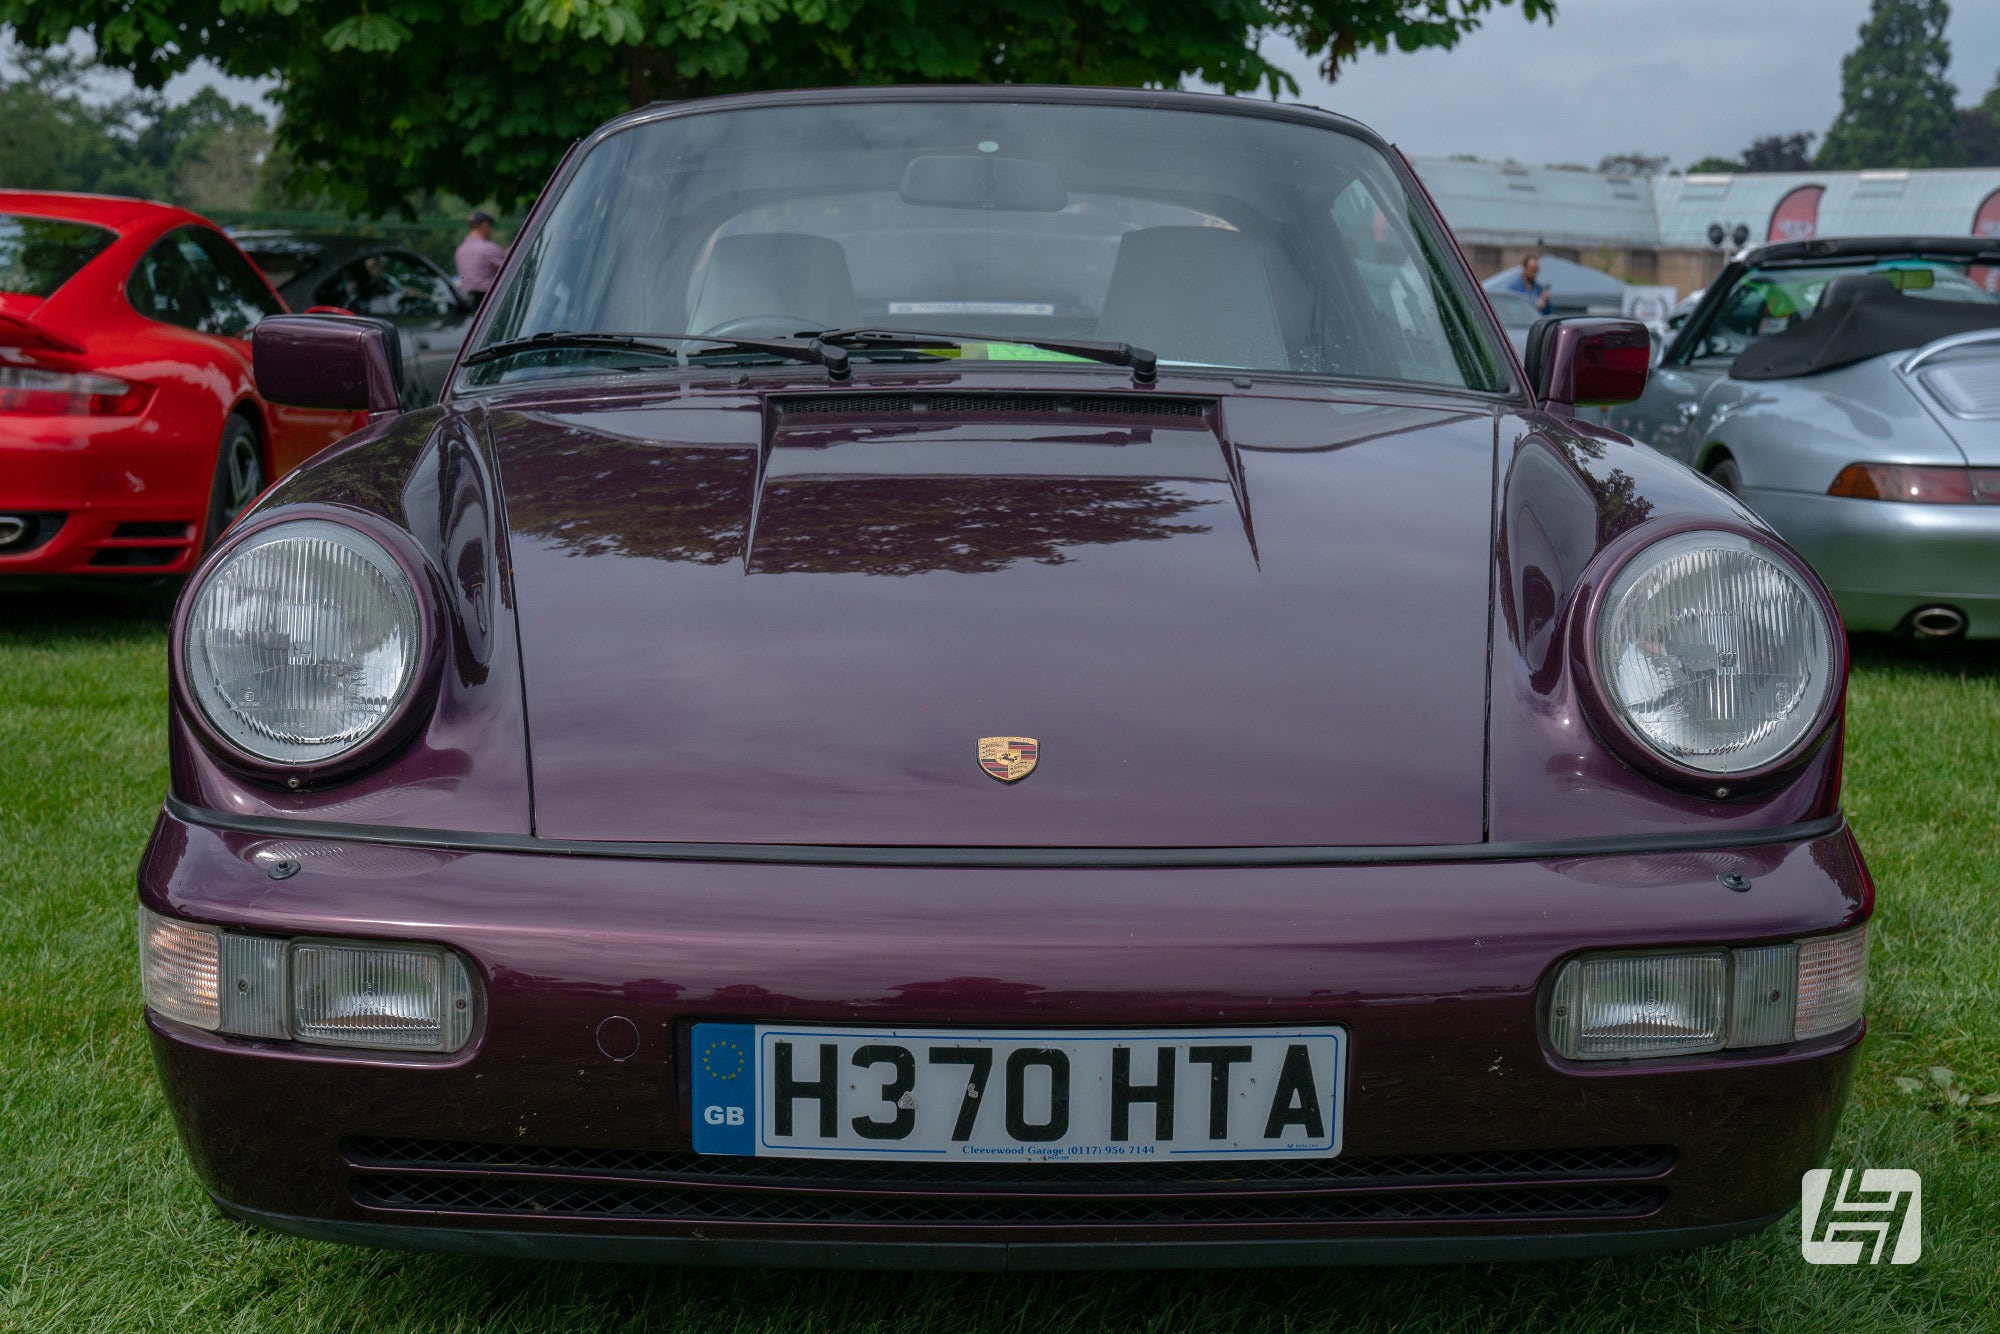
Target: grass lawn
x=103 y=1227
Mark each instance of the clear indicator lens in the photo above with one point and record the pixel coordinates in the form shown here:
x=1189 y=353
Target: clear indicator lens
x=1715 y=653
x=1833 y=982
x=303 y=642
x=178 y=966
x=1641 y=1005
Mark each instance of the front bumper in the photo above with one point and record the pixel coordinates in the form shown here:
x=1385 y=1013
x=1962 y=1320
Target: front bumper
x=1464 y=1138
x=1883 y=560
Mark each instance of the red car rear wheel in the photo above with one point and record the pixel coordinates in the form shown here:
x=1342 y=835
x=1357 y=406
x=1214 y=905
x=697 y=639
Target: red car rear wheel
x=239 y=478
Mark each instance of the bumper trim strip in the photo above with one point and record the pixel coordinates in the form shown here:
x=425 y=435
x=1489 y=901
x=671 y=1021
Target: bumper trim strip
x=805 y=854
x=995 y=1256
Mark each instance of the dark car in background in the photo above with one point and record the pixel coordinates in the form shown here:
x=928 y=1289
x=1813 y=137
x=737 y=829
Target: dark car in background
x=374 y=278
x=1000 y=678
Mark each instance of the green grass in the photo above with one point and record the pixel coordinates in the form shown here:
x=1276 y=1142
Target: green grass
x=103 y=1227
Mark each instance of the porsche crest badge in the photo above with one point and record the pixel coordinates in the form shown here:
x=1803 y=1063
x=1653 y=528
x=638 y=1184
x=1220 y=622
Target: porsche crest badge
x=1009 y=758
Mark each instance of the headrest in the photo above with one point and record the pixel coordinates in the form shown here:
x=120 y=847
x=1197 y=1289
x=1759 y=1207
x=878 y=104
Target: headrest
x=775 y=273
x=1193 y=294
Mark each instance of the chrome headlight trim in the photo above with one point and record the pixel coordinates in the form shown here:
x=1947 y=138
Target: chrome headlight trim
x=377 y=556
x=1604 y=667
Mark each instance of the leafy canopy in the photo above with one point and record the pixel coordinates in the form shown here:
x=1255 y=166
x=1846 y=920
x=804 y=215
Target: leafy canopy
x=385 y=101
x=204 y=152
x=1897 y=108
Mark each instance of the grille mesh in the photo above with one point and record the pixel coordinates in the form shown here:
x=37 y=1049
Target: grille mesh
x=1538 y=1165
x=574 y=1199
x=1105 y=405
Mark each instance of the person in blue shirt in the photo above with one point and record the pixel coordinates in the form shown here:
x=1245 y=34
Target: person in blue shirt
x=1524 y=283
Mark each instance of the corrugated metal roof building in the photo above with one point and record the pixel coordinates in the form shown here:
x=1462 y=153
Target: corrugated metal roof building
x=1656 y=229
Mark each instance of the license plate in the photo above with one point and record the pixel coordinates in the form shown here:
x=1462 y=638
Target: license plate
x=769 y=1090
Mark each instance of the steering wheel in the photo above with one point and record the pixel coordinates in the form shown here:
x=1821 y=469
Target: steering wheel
x=758 y=326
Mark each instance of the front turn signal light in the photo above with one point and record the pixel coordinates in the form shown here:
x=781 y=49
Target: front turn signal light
x=1622 y=1006
x=381 y=995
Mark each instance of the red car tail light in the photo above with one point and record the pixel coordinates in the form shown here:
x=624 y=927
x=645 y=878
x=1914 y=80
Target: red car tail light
x=44 y=393
x=1919 y=484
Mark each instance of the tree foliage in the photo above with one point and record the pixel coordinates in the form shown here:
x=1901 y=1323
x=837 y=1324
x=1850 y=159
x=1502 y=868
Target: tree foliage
x=1979 y=130
x=1780 y=152
x=1633 y=164
x=1897 y=108
x=205 y=152
x=386 y=100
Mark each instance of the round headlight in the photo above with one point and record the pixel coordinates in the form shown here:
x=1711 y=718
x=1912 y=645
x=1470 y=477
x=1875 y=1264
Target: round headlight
x=301 y=644
x=1715 y=653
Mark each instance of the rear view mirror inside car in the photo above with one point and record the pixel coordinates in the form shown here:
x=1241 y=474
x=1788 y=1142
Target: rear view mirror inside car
x=979 y=180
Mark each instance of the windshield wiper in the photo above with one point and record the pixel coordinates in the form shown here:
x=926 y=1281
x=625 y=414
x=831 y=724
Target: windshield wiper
x=811 y=350
x=1145 y=366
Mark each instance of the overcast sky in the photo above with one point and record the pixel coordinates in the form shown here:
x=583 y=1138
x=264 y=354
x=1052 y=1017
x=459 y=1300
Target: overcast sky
x=1687 y=78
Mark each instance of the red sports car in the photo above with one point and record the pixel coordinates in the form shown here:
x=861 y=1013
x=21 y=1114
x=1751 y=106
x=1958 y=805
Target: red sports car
x=131 y=431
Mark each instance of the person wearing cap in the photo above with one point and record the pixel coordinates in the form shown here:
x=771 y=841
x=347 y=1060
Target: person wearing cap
x=478 y=256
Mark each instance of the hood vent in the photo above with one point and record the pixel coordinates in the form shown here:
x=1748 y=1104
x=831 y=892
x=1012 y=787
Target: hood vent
x=1098 y=405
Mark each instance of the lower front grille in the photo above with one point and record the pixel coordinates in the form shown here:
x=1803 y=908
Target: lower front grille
x=593 y=1200
x=458 y=1176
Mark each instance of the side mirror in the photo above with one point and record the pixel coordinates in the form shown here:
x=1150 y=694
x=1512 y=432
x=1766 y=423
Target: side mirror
x=1588 y=360
x=343 y=363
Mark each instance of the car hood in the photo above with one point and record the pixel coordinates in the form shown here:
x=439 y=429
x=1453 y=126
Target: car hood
x=792 y=619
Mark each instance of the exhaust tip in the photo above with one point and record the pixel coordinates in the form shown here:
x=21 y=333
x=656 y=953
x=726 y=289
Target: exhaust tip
x=12 y=529
x=1937 y=622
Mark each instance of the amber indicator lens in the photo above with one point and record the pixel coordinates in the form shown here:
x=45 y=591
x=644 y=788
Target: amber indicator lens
x=1917 y=484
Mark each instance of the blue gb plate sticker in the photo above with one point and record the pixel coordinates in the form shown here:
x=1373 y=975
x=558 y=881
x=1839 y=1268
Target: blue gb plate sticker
x=725 y=1088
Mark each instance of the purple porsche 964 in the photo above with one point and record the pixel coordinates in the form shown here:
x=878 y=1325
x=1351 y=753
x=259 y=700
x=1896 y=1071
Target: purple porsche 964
x=999 y=678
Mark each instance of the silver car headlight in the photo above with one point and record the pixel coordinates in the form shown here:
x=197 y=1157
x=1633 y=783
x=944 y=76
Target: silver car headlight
x=303 y=643
x=1715 y=654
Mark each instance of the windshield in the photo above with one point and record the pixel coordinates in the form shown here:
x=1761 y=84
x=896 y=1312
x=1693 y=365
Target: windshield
x=38 y=255
x=1768 y=301
x=1212 y=240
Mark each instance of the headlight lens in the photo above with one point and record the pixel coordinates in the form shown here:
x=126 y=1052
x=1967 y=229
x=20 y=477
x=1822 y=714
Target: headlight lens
x=300 y=645
x=1714 y=652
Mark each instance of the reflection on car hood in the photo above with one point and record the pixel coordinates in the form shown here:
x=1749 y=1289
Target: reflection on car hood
x=791 y=620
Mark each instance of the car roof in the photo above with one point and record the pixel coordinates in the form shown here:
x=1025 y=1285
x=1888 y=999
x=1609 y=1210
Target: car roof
x=1821 y=249
x=111 y=211
x=1043 y=94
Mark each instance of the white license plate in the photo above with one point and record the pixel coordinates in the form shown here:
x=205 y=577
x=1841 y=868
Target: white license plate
x=771 y=1090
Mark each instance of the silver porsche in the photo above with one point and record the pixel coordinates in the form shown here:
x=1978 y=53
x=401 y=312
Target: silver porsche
x=1848 y=391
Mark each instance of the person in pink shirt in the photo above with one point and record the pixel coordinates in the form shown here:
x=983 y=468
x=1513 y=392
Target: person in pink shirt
x=479 y=256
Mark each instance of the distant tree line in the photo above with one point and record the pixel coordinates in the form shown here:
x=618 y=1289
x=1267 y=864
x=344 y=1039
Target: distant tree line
x=1897 y=106
x=205 y=153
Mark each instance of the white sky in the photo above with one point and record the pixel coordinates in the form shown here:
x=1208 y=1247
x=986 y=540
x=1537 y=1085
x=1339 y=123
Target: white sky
x=1687 y=78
